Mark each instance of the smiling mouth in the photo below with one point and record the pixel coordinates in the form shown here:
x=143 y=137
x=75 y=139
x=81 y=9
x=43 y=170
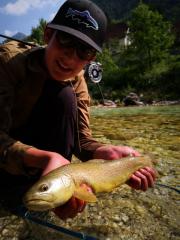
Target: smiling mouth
x=63 y=67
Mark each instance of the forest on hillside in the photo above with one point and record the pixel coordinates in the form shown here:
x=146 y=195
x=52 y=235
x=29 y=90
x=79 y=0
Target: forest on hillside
x=122 y=9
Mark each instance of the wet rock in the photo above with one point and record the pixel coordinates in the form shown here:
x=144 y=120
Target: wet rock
x=140 y=210
x=116 y=218
x=109 y=103
x=132 y=99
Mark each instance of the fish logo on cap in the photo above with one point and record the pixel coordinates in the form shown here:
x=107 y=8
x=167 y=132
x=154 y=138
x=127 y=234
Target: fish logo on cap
x=82 y=17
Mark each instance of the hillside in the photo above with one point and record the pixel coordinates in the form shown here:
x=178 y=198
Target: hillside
x=121 y=9
x=19 y=36
x=117 y=9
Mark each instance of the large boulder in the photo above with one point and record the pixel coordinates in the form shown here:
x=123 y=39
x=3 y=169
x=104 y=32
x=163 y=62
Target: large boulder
x=132 y=99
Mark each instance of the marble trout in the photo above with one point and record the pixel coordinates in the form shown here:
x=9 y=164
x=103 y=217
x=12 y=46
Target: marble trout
x=58 y=186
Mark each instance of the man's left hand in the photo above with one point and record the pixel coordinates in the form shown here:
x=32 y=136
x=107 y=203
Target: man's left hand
x=141 y=179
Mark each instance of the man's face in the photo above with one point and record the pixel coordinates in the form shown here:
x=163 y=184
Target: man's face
x=64 y=61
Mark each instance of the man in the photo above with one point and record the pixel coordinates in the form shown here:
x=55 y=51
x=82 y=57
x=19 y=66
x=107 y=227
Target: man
x=44 y=100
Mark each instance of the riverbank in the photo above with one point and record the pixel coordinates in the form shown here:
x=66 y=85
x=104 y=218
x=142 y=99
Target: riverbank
x=113 y=104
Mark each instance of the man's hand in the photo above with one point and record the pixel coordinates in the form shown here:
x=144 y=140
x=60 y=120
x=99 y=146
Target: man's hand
x=45 y=160
x=49 y=161
x=111 y=152
x=71 y=208
x=141 y=179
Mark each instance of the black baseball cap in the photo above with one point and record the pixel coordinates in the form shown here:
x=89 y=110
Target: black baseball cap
x=82 y=19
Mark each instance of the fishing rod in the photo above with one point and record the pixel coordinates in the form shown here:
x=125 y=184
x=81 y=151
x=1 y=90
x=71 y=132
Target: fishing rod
x=21 y=211
x=18 y=40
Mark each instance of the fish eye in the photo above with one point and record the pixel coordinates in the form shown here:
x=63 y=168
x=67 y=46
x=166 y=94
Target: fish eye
x=44 y=187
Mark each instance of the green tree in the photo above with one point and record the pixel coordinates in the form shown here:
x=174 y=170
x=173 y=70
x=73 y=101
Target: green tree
x=150 y=36
x=37 y=33
x=146 y=62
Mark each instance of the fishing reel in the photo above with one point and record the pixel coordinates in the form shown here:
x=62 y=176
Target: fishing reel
x=93 y=72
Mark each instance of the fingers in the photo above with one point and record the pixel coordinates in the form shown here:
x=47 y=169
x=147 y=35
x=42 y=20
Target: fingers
x=152 y=172
x=134 y=182
x=110 y=152
x=75 y=206
x=142 y=179
x=148 y=178
x=70 y=209
x=81 y=205
x=133 y=153
x=128 y=151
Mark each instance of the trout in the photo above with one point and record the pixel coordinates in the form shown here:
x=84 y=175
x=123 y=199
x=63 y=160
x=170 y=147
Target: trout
x=58 y=186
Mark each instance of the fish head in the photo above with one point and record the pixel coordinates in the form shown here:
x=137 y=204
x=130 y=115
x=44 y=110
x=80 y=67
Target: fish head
x=49 y=193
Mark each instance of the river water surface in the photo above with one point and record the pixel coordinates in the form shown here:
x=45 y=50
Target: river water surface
x=154 y=130
x=127 y=214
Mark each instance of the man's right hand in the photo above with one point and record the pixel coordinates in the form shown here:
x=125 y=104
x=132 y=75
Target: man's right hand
x=49 y=161
x=72 y=207
x=45 y=160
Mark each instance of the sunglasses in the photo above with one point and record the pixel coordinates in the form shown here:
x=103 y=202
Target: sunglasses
x=83 y=51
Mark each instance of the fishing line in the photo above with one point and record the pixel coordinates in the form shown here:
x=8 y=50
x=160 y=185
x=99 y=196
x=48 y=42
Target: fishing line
x=167 y=186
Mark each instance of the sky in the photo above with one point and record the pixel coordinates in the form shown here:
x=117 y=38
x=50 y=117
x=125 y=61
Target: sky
x=22 y=15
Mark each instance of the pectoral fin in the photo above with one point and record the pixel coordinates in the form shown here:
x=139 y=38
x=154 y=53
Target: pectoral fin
x=83 y=194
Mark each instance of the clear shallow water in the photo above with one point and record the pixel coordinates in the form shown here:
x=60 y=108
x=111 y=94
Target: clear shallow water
x=154 y=130
x=125 y=214
x=128 y=214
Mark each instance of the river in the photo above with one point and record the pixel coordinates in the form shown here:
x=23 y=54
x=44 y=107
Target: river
x=126 y=214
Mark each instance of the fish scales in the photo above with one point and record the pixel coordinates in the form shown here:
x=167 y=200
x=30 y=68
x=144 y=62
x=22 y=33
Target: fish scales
x=103 y=175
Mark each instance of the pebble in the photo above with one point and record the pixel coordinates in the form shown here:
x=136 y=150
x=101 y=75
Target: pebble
x=5 y=232
x=116 y=218
x=125 y=218
x=140 y=210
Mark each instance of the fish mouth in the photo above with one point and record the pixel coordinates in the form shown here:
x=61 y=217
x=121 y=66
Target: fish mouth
x=35 y=200
x=37 y=204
